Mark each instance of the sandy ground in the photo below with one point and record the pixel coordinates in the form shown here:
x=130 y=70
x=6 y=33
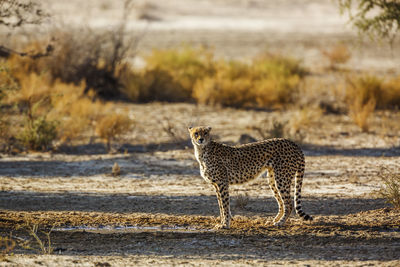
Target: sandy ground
x=159 y=211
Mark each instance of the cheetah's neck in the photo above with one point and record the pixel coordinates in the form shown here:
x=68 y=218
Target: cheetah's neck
x=199 y=151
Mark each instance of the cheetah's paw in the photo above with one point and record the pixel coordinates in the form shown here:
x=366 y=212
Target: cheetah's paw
x=221 y=226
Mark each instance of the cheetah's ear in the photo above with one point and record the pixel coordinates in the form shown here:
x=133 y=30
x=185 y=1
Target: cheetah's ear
x=190 y=128
x=208 y=128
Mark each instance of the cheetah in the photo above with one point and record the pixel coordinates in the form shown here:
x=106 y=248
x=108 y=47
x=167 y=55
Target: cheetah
x=223 y=165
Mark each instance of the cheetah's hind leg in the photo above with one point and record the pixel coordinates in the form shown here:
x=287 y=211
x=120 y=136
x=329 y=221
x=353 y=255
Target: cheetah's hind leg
x=283 y=183
x=274 y=189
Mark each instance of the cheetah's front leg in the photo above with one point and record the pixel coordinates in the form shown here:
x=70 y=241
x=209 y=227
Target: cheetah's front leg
x=222 y=191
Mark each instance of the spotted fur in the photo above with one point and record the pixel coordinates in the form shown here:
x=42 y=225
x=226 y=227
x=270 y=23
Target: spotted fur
x=223 y=165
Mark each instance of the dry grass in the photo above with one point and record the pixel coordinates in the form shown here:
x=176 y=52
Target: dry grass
x=391 y=96
x=363 y=95
x=112 y=126
x=80 y=56
x=43 y=111
x=7 y=245
x=170 y=75
x=303 y=118
x=270 y=81
x=271 y=128
x=190 y=74
x=391 y=187
x=337 y=55
x=45 y=247
x=242 y=201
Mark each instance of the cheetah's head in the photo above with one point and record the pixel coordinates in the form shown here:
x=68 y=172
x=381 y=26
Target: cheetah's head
x=200 y=135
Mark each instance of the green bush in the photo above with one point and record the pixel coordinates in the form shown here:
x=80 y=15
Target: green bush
x=38 y=134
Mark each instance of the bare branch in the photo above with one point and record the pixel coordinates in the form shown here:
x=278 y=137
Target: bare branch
x=6 y=52
x=16 y=13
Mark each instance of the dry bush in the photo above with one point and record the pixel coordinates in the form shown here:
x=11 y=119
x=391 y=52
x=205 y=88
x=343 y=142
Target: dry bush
x=38 y=134
x=83 y=55
x=362 y=96
x=112 y=126
x=229 y=87
x=337 y=55
x=271 y=128
x=303 y=118
x=391 y=94
x=169 y=75
x=76 y=111
x=42 y=239
x=269 y=81
x=7 y=245
x=188 y=74
x=152 y=85
x=54 y=111
x=242 y=201
x=33 y=101
x=7 y=85
x=360 y=113
x=391 y=187
x=77 y=57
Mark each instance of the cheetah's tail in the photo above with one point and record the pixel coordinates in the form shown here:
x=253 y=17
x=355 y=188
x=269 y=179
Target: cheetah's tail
x=297 y=193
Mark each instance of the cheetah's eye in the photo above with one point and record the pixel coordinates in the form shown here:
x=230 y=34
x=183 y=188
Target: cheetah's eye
x=205 y=134
x=196 y=134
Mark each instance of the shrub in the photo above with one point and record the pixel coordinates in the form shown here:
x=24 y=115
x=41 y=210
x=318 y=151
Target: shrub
x=269 y=81
x=191 y=74
x=390 y=188
x=76 y=111
x=271 y=128
x=38 y=134
x=169 y=75
x=80 y=56
x=338 y=54
x=384 y=91
x=391 y=95
x=303 y=118
x=50 y=111
x=7 y=245
x=229 y=87
x=242 y=201
x=111 y=126
x=362 y=96
x=153 y=85
x=32 y=99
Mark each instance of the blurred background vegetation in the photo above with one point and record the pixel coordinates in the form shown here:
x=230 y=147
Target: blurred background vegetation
x=64 y=89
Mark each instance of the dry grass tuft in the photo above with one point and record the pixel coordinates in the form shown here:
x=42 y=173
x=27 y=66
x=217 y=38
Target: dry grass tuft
x=116 y=170
x=339 y=54
x=362 y=96
x=46 y=113
x=303 y=118
x=271 y=128
x=391 y=95
x=391 y=187
x=112 y=126
x=242 y=201
x=190 y=74
x=7 y=245
x=45 y=247
x=269 y=81
x=170 y=75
